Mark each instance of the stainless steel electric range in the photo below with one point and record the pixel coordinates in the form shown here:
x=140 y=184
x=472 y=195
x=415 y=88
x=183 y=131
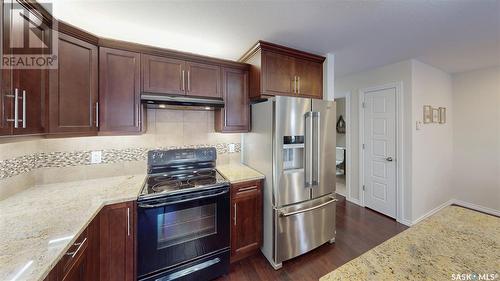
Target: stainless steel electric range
x=183 y=217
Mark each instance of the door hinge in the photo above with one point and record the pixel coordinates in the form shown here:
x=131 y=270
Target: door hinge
x=363 y=187
x=363 y=104
x=363 y=146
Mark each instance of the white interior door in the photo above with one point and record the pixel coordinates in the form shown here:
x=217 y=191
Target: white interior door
x=380 y=150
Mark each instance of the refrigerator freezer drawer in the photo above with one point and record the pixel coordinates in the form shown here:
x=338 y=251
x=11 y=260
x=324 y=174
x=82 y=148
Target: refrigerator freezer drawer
x=303 y=227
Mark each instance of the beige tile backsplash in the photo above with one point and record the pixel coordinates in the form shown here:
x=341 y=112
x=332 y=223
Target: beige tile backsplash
x=69 y=158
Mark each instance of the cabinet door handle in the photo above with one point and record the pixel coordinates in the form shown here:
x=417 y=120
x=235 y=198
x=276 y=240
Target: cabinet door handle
x=294 y=84
x=234 y=218
x=183 y=83
x=24 y=109
x=189 y=82
x=97 y=114
x=16 y=108
x=298 y=84
x=128 y=221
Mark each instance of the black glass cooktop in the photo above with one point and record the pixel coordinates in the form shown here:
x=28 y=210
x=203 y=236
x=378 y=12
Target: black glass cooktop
x=182 y=181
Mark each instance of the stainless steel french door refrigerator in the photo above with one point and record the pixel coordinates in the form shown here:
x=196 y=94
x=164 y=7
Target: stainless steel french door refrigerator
x=292 y=142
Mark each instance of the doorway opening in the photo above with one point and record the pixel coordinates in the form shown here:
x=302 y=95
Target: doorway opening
x=343 y=144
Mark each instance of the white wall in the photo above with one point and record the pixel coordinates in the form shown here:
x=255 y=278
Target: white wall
x=476 y=133
x=329 y=77
x=398 y=72
x=433 y=143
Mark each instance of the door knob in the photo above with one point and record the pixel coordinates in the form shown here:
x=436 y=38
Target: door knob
x=389 y=159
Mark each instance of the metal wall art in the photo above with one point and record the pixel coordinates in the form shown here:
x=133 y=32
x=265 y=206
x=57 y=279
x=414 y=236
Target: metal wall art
x=434 y=114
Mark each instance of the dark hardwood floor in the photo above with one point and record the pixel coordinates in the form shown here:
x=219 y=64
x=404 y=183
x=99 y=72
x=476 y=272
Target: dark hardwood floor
x=358 y=230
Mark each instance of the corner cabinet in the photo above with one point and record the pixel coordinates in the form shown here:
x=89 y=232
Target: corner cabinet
x=73 y=94
x=246 y=214
x=119 y=92
x=105 y=250
x=81 y=260
x=282 y=71
x=235 y=116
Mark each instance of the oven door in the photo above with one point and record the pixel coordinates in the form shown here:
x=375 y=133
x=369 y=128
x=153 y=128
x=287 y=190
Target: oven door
x=178 y=229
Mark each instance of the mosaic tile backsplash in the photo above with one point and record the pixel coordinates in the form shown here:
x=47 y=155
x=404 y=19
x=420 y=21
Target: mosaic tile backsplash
x=24 y=164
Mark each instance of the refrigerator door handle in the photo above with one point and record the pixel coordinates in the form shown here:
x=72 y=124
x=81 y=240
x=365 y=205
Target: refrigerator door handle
x=283 y=214
x=308 y=145
x=316 y=116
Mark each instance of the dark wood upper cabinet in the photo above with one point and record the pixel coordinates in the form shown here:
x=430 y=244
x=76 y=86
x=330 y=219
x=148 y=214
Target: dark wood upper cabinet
x=119 y=91
x=246 y=214
x=73 y=94
x=279 y=70
x=203 y=80
x=163 y=75
x=30 y=85
x=279 y=75
x=117 y=249
x=6 y=109
x=235 y=116
x=309 y=77
x=171 y=76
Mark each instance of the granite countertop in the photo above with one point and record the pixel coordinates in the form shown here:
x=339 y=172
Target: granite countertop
x=38 y=225
x=453 y=241
x=237 y=172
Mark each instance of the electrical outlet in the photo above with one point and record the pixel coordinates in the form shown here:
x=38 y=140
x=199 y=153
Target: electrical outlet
x=96 y=157
x=231 y=147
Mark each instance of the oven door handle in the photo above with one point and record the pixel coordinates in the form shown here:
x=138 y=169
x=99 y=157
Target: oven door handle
x=143 y=205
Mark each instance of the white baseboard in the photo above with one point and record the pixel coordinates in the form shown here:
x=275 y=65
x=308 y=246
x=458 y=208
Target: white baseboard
x=405 y=222
x=433 y=211
x=341 y=193
x=477 y=207
x=355 y=201
x=459 y=203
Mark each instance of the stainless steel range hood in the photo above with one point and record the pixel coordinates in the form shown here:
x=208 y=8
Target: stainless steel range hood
x=180 y=102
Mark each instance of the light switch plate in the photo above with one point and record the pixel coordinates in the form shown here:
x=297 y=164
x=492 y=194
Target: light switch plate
x=96 y=157
x=231 y=147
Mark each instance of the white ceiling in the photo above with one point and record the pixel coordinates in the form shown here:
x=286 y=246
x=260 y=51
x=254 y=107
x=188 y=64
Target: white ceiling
x=452 y=35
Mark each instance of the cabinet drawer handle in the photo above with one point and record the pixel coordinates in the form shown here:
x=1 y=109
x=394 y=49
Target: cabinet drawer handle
x=73 y=254
x=246 y=189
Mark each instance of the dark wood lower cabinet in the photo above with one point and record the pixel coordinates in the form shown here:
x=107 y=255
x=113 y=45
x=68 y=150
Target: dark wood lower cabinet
x=246 y=214
x=117 y=249
x=104 y=251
